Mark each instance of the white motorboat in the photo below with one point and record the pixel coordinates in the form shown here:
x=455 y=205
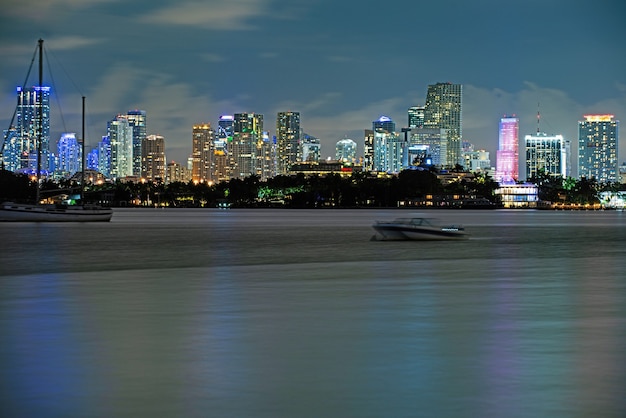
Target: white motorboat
x=417 y=228
x=20 y=212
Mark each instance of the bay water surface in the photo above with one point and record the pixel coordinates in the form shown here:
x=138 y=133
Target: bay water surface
x=298 y=313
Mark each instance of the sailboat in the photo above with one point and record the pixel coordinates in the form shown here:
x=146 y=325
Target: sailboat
x=38 y=212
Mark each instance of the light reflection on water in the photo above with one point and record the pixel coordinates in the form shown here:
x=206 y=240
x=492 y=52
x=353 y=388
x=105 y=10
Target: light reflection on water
x=296 y=313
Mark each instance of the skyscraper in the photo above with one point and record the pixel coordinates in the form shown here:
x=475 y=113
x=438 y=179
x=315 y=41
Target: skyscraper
x=416 y=116
x=137 y=123
x=202 y=152
x=384 y=124
x=31 y=102
x=507 y=163
x=288 y=145
x=443 y=111
x=597 y=148
x=121 y=136
x=69 y=154
x=545 y=154
x=310 y=148
x=153 y=158
x=242 y=151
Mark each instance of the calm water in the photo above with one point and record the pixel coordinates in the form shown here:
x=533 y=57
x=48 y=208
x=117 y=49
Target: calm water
x=296 y=313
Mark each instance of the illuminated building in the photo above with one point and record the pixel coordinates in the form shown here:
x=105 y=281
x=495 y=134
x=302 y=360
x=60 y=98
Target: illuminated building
x=416 y=116
x=176 y=172
x=507 y=156
x=384 y=124
x=310 y=148
x=247 y=139
x=545 y=154
x=202 y=152
x=517 y=196
x=20 y=147
x=121 y=141
x=69 y=154
x=225 y=127
x=153 y=158
x=443 y=111
x=345 y=150
x=597 y=148
x=104 y=157
x=137 y=123
x=428 y=146
x=288 y=147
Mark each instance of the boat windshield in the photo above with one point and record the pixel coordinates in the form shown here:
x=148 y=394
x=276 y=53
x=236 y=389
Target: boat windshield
x=416 y=221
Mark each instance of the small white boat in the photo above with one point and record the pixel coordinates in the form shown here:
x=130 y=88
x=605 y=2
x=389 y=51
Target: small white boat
x=417 y=228
x=20 y=212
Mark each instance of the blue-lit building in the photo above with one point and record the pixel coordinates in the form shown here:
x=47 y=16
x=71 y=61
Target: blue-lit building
x=69 y=155
x=20 y=141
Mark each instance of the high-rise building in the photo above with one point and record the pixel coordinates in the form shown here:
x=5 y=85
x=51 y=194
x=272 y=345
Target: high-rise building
x=384 y=124
x=153 y=158
x=388 y=151
x=120 y=134
x=507 y=156
x=416 y=116
x=69 y=154
x=242 y=153
x=137 y=122
x=31 y=103
x=597 y=148
x=288 y=145
x=202 y=151
x=104 y=156
x=225 y=127
x=11 y=150
x=310 y=148
x=427 y=146
x=345 y=150
x=443 y=110
x=545 y=154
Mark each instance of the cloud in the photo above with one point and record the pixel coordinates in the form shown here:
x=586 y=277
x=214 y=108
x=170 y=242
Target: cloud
x=214 y=14
x=37 y=10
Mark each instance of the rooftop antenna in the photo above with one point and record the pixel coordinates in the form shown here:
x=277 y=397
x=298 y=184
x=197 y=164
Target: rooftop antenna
x=538 y=118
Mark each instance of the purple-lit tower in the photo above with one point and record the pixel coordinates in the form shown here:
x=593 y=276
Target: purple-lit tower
x=507 y=157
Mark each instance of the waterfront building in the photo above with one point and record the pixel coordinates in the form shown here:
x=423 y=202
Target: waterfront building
x=388 y=152
x=137 y=122
x=202 y=151
x=11 y=150
x=104 y=156
x=427 y=146
x=69 y=155
x=22 y=153
x=477 y=160
x=368 y=150
x=443 y=110
x=507 y=156
x=310 y=148
x=288 y=146
x=176 y=172
x=416 y=116
x=120 y=134
x=345 y=150
x=153 y=158
x=545 y=153
x=265 y=158
x=598 y=148
x=247 y=134
x=518 y=196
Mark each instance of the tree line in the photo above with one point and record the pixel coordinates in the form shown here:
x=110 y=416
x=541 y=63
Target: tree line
x=300 y=191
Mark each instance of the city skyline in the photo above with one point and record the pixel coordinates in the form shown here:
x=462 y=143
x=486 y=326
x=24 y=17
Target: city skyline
x=188 y=63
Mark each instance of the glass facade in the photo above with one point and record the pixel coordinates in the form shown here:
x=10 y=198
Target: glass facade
x=597 y=148
x=507 y=163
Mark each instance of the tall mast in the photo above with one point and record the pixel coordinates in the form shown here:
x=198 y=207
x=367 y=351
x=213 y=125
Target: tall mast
x=40 y=118
x=82 y=163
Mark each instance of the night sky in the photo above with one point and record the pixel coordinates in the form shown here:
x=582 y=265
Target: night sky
x=340 y=63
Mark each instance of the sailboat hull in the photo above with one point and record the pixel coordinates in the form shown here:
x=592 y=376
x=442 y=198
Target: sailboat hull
x=16 y=212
